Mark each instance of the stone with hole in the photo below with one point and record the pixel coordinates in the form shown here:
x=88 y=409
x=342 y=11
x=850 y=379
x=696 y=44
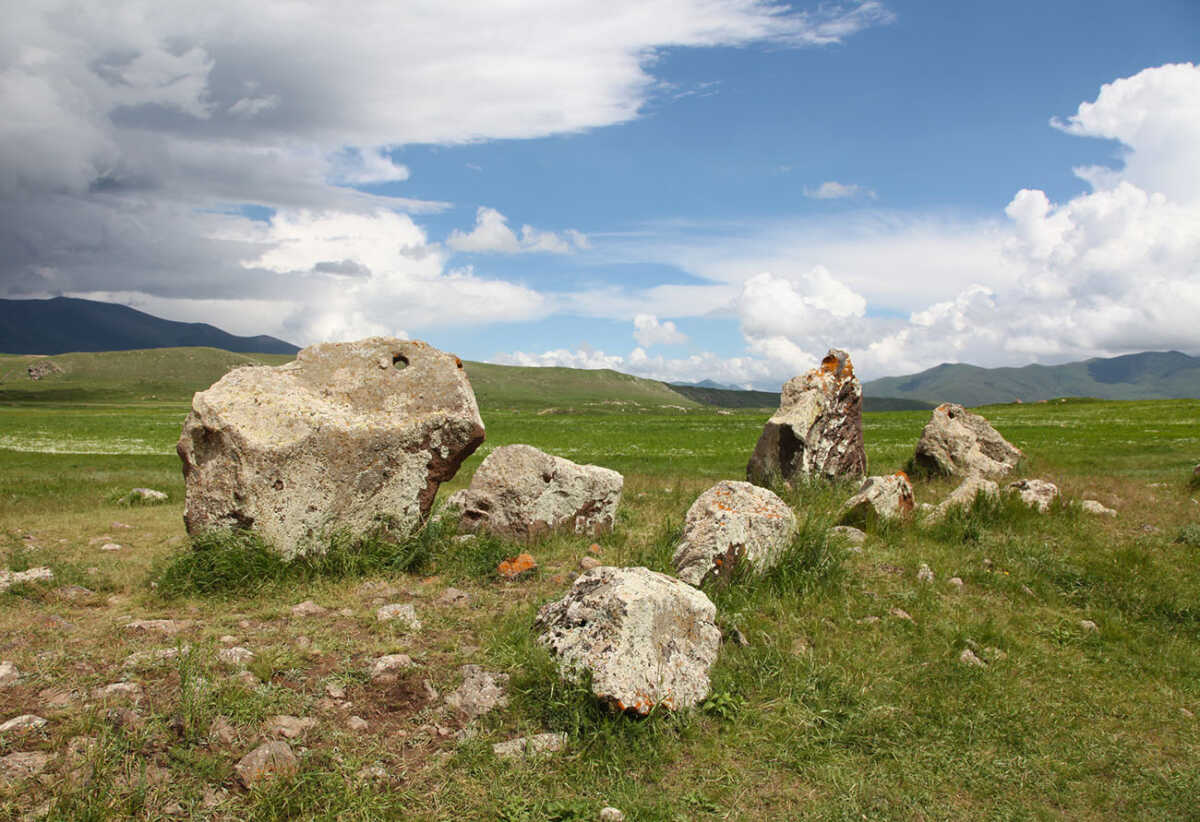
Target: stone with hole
x=956 y=441
x=345 y=437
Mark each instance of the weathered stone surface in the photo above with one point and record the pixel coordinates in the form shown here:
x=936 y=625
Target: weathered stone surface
x=235 y=657
x=854 y=537
x=308 y=608
x=520 y=492
x=513 y=567
x=346 y=433
x=23 y=765
x=889 y=497
x=10 y=578
x=289 y=727
x=24 y=722
x=611 y=814
x=119 y=690
x=387 y=665
x=731 y=523
x=1091 y=506
x=817 y=431
x=481 y=691
x=955 y=441
x=1035 y=493
x=404 y=613
x=8 y=674
x=645 y=638
x=963 y=496
x=166 y=627
x=924 y=573
x=530 y=746
x=269 y=760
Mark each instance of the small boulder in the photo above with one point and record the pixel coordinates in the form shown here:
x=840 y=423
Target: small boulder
x=404 y=613
x=11 y=578
x=889 y=497
x=817 y=431
x=955 y=441
x=267 y=761
x=646 y=639
x=963 y=497
x=343 y=435
x=850 y=535
x=308 y=608
x=1035 y=493
x=530 y=746
x=386 y=666
x=588 y=562
x=520 y=493
x=513 y=567
x=22 y=723
x=481 y=691
x=21 y=765
x=1091 y=506
x=144 y=496
x=611 y=814
x=730 y=524
x=289 y=727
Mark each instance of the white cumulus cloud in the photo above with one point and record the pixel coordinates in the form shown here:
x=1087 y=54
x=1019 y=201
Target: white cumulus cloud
x=833 y=190
x=491 y=234
x=648 y=331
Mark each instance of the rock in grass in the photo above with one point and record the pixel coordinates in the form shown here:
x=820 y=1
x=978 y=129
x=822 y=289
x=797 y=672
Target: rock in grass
x=345 y=434
x=530 y=746
x=731 y=524
x=144 y=496
x=235 y=657
x=889 y=497
x=850 y=535
x=22 y=723
x=644 y=638
x=481 y=691
x=267 y=761
x=1091 y=506
x=817 y=431
x=119 y=690
x=519 y=492
x=963 y=496
x=386 y=667
x=968 y=657
x=611 y=814
x=514 y=567
x=955 y=441
x=8 y=674
x=290 y=727
x=924 y=573
x=166 y=627
x=1035 y=493
x=21 y=765
x=11 y=578
x=308 y=608
x=403 y=613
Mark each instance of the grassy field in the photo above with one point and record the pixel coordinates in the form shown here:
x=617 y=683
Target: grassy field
x=849 y=702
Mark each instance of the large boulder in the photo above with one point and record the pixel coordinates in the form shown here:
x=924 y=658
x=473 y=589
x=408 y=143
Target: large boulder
x=520 y=492
x=644 y=638
x=887 y=498
x=955 y=441
x=731 y=523
x=817 y=431
x=343 y=435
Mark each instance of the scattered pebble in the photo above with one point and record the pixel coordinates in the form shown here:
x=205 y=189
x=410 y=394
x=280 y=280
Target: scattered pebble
x=453 y=596
x=1088 y=625
x=967 y=657
x=389 y=664
x=956 y=582
x=334 y=690
x=119 y=690
x=289 y=727
x=8 y=674
x=110 y=546
x=400 y=612
x=924 y=573
x=308 y=608
x=357 y=724
x=900 y=613
x=529 y=746
x=587 y=563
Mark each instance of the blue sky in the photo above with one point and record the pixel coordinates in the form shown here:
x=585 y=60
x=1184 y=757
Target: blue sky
x=700 y=189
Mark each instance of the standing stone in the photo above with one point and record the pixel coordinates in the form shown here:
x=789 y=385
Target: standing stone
x=644 y=638
x=345 y=434
x=520 y=492
x=955 y=441
x=730 y=523
x=817 y=431
x=889 y=497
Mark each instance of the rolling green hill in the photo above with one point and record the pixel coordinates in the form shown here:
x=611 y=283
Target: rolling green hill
x=735 y=398
x=1146 y=376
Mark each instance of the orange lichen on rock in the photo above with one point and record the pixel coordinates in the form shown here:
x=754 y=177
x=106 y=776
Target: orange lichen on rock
x=513 y=567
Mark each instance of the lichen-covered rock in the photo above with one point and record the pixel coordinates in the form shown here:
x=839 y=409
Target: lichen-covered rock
x=10 y=578
x=1035 y=493
x=520 y=492
x=644 y=638
x=964 y=496
x=731 y=523
x=344 y=435
x=889 y=497
x=1092 y=506
x=269 y=760
x=817 y=431
x=530 y=746
x=955 y=441
x=481 y=691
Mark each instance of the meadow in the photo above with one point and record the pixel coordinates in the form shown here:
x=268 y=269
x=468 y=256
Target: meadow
x=849 y=700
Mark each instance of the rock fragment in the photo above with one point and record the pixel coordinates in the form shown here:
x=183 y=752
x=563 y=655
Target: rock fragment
x=267 y=761
x=730 y=524
x=387 y=666
x=519 y=492
x=8 y=674
x=119 y=690
x=1091 y=506
x=924 y=573
x=331 y=440
x=308 y=608
x=956 y=441
x=968 y=657
x=513 y=567
x=403 y=613
x=888 y=498
x=453 y=596
x=22 y=765
x=964 y=497
x=481 y=691
x=144 y=496
x=166 y=627
x=290 y=727
x=852 y=536
x=530 y=746
x=1035 y=493
x=10 y=578
x=644 y=638
x=22 y=723
x=817 y=431
x=235 y=657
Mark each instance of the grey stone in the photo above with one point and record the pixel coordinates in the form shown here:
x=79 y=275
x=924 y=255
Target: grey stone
x=1088 y=625
x=308 y=608
x=481 y=691
x=963 y=496
x=145 y=496
x=289 y=727
x=23 y=765
x=24 y=722
x=587 y=563
x=11 y=578
x=889 y=497
x=730 y=524
x=358 y=724
x=8 y=674
x=404 y=613
x=956 y=441
x=521 y=493
x=267 y=761
x=1035 y=493
x=1091 y=506
x=166 y=627
x=644 y=638
x=530 y=746
x=817 y=431
x=611 y=814
x=968 y=657
x=389 y=664
x=855 y=537
x=453 y=596
x=119 y=690
x=345 y=434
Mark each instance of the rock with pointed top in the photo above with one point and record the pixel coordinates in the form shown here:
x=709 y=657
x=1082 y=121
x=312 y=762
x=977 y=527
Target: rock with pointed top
x=956 y=441
x=346 y=434
x=817 y=431
x=889 y=497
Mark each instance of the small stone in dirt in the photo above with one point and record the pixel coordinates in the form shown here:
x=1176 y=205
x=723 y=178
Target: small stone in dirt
x=8 y=674
x=404 y=613
x=529 y=746
x=268 y=760
x=611 y=814
x=289 y=727
x=955 y=582
x=11 y=578
x=55 y=698
x=967 y=657
x=119 y=690
x=587 y=563
x=24 y=722
x=334 y=690
x=1091 y=506
x=23 y=765
x=308 y=608
x=167 y=627
x=513 y=567
x=221 y=732
x=389 y=664
x=868 y=620
x=110 y=546
x=236 y=656
x=357 y=724
x=924 y=573
x=453 y=596
x=1088 y=625
x=900 y=613
x=480 y=692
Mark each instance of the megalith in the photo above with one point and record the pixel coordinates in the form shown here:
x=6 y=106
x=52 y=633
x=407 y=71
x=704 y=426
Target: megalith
x=730 y=524
x=956 y=441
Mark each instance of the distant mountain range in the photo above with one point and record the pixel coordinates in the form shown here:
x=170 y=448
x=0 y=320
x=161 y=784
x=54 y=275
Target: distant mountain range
x=63 y=324
x=1150 y=375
